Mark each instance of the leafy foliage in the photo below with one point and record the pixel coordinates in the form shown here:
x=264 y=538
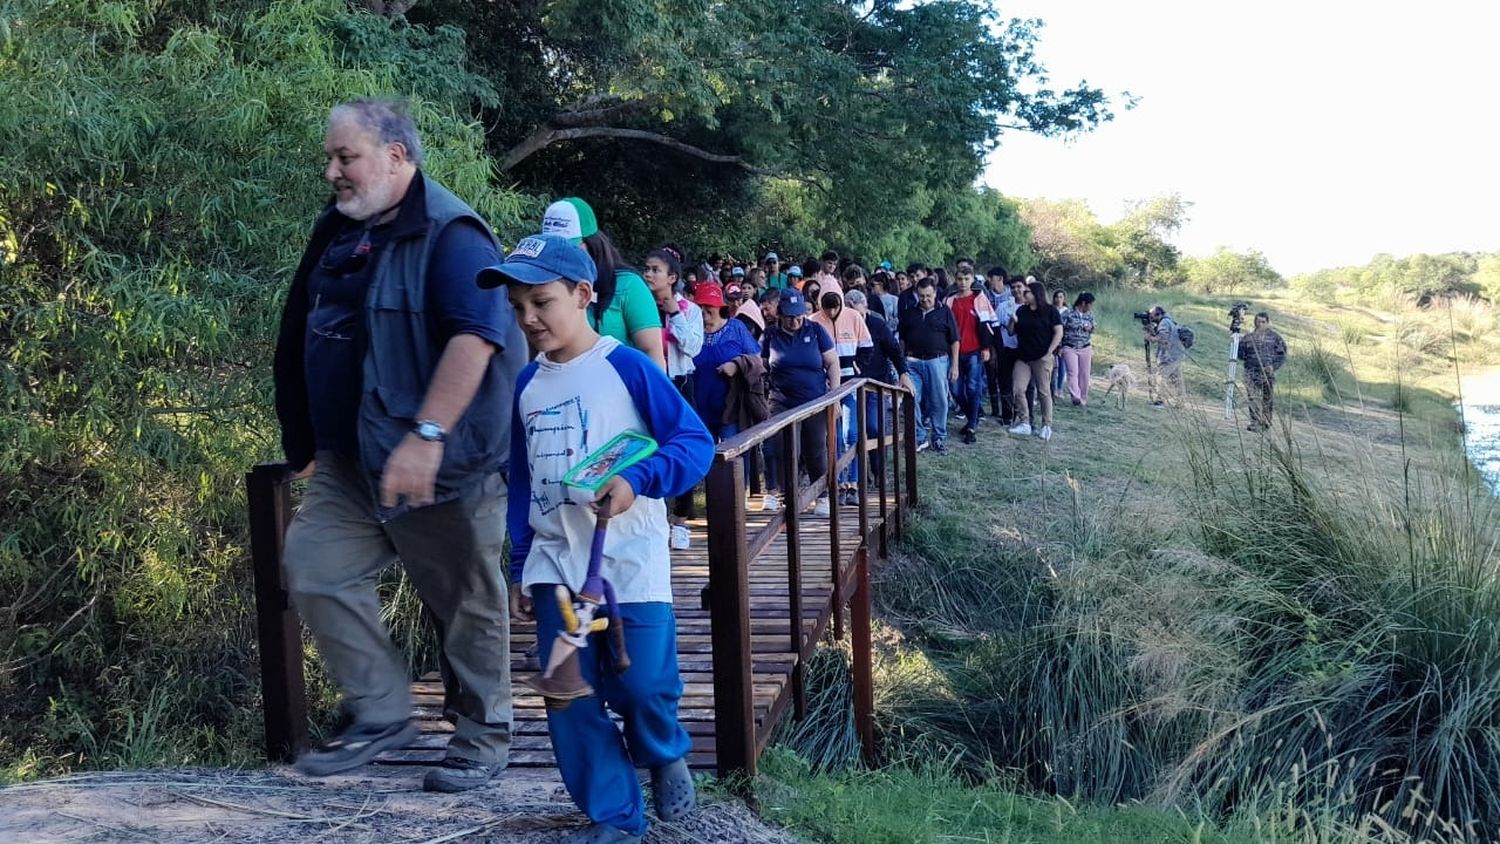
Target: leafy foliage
x=161 y=177
x=867 y=113
x=1419 y=276
x=1074 y=248
x=1227 y=271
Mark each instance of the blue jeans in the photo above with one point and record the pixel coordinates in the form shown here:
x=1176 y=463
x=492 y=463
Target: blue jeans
x=930 y=377
x=597 y=761
x=1059 y=374
x=970 y=387
x=848 y=421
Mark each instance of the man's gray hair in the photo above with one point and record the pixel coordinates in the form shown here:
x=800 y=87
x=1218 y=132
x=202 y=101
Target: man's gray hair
x=854 y=297
x=388 y=119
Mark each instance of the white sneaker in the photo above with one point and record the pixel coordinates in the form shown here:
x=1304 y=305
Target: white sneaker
x=770 y=502
x=682 y=538
x=820 y=507
x=1023 y=429
x=1046 y=432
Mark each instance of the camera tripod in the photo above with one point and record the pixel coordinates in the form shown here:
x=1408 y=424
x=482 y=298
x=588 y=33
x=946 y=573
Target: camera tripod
x=1236 y=331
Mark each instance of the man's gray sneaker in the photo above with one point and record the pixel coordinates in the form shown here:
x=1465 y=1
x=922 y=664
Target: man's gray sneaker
x=601 y=833
x=457 y=774
x=356 y=745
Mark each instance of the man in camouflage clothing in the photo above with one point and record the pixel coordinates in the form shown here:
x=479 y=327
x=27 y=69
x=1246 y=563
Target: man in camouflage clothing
x=1263 y=352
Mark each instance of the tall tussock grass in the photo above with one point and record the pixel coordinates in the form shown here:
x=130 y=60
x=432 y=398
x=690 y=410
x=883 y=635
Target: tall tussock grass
x=1332 y=646
x=1310 y=647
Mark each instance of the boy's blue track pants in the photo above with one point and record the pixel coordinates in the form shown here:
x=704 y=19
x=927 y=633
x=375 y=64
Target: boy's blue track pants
x=597 y=761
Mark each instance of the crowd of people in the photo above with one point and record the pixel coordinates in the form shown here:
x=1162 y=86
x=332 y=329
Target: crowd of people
x=436 y=394
x=1000 y=347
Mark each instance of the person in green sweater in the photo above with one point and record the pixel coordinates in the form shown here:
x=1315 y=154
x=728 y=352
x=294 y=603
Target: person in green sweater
x=624 y=307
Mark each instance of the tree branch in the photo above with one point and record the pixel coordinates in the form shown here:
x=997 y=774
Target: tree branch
x=590 y=113
x=387 y=8
x=549 y=135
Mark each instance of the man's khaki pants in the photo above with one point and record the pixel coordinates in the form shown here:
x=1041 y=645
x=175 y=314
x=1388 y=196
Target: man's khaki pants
x=1168 y=387
x=336 y=548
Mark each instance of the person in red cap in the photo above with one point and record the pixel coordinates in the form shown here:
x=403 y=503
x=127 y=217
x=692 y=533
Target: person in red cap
x=729 y=352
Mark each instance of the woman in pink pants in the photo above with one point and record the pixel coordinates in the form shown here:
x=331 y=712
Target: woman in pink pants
x=1077 y=349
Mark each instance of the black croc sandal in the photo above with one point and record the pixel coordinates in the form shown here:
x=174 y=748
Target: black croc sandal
x=672 y=785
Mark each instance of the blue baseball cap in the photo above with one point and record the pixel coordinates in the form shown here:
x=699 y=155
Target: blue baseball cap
x=541 y=259
x=737 y=272
x=795 y=271
x=886 y=265
x=792 y=304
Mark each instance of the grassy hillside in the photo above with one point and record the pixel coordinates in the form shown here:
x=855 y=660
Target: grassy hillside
x=1159 y=606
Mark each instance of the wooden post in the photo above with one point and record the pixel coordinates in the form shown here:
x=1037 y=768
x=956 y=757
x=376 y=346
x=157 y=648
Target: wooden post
x=832 y=417
x=861 y=397
x=898 y=460
x=863 y=663
x=881 y=430
x=278 y=630
x=911 y=451
x=792 y=454
x=729 y=607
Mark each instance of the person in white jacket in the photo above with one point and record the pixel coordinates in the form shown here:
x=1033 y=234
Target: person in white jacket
x=682 y=338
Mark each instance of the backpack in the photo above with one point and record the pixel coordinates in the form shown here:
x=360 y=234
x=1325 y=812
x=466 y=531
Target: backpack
x=1185 y=335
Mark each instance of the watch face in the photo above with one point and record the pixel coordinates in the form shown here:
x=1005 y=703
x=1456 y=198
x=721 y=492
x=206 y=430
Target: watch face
x=429 y=431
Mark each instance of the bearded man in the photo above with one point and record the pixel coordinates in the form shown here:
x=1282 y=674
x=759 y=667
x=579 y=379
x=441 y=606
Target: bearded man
x=394 y=378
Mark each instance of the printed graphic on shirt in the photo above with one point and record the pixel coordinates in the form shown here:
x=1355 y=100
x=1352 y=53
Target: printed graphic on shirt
x=560 y=430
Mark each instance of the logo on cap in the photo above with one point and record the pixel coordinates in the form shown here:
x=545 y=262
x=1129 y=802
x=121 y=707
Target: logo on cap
x=529 y=247
x=559 y=224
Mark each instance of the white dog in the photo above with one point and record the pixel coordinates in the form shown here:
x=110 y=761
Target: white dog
x=1120 y=376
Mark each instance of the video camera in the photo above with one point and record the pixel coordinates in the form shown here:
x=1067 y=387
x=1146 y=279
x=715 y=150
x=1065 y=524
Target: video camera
x=1144 y=317
x=1237 y=317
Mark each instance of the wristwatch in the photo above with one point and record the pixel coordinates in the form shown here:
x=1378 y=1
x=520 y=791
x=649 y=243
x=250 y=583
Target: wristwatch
x=429 y=431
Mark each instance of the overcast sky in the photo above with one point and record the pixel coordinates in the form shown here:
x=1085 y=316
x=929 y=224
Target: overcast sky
x=1320 y=132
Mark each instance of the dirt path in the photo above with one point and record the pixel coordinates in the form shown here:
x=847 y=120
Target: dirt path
x=278 y=806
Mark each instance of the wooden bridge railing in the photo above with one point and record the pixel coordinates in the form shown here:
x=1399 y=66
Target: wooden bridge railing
x=886 y=457
x=741 y=732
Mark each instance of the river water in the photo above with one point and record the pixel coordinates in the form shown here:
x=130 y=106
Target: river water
x=1482 y=415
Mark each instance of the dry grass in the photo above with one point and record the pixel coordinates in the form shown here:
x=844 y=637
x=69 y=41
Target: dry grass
x=378 y=805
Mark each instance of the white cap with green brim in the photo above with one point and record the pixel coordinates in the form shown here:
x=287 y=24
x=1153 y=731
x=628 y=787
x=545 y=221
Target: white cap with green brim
x=570 y=217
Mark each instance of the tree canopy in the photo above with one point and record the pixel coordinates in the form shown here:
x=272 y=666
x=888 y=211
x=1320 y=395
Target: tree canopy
x=679 y=120
x=1227 y=271
x=1421 y=276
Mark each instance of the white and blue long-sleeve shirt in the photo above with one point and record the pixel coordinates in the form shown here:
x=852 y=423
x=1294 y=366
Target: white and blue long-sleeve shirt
x=565 y=411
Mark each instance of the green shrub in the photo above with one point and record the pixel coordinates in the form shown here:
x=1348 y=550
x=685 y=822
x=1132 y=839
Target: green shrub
x=160 y=176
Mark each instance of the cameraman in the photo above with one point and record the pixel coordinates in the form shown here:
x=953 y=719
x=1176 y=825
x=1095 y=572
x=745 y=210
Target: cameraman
x=1161 y=331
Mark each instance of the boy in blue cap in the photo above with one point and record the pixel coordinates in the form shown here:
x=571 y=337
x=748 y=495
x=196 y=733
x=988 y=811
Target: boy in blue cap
x=581 y=391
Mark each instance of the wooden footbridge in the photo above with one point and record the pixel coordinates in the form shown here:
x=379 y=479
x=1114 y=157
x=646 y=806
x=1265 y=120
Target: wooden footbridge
x=754 y=595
